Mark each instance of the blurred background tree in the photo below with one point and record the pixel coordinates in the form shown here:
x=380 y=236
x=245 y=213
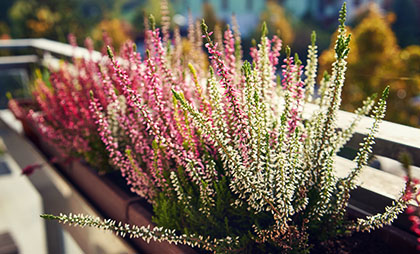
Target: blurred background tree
x=4 y=31
x=48 y=19
x=376 y=61
x=56 y=19
x=118 y=30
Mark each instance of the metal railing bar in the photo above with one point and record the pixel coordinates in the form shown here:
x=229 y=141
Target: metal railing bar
x=52 y=47
x=25 y=59
x=391 y=139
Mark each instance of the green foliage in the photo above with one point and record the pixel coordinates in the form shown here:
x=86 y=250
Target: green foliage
x=152 y=22
x=313 y=38
x=224 y=219
x=57 y=19
x=49 y=19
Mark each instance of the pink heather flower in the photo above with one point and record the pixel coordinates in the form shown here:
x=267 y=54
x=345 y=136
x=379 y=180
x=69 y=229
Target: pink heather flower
x=413 y=211
x=64 y=116
x=230 y=54
x=294 y=85
x=233 y=110
x=149 y=117
x=29 y=170
x=253 y=52
x=275 y=52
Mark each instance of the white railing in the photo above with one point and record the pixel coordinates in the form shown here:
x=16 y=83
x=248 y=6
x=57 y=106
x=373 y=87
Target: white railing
x=50 y=46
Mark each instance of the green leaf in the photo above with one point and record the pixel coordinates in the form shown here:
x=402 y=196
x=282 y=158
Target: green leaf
x=313 y=38
x=110 y=53
x=342 y=16
x=204 y=27
x=264 y=29
x=152 y=21
x=288 y=51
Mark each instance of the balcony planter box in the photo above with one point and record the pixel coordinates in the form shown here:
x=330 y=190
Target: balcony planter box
x=109 y=194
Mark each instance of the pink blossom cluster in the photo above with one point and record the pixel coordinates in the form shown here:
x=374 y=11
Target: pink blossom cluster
x=413 y=212
x=226 y=73
x=156 y=137
x=275 y=52
x=229 y=55
x=293 y=83
x=64 y=117
x=274 y=45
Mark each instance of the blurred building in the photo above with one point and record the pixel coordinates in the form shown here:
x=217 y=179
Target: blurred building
x=406 y=23
x=247 y=12
x=327 y=10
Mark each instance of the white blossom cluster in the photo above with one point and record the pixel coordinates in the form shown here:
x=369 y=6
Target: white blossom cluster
x=147 y=233
x=288 y=173
x=310 y=69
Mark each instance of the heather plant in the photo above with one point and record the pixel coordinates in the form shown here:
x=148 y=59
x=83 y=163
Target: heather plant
x=63 y=114
x=225 y=156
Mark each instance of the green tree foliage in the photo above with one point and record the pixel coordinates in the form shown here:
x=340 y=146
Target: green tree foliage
x=377 y=61
x=4 y=31
x=118 y=30
x=56 y=19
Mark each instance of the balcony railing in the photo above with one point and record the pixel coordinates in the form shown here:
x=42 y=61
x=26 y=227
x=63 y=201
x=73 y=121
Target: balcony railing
x=50 y=47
